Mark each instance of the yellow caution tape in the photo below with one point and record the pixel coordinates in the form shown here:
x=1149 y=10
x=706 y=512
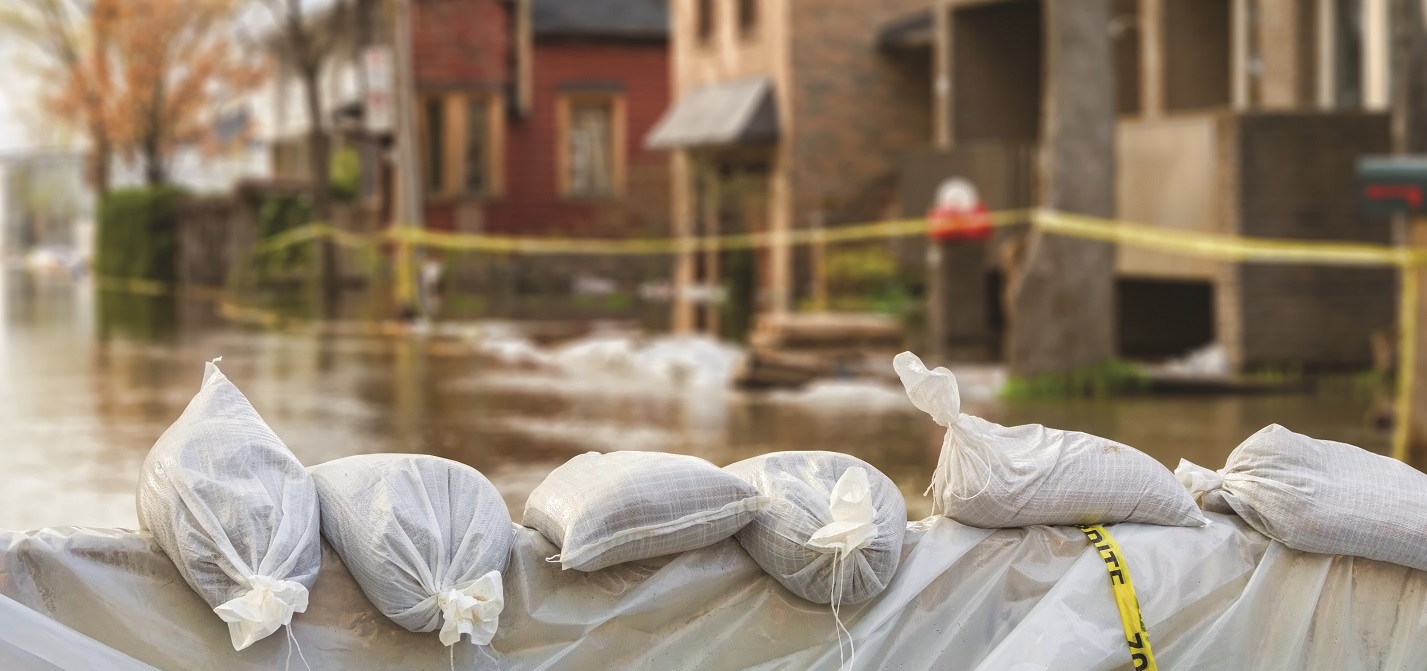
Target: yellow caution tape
x=1222 y=247
x=1136 y=636
x=1406 y=361
x=1215 y=246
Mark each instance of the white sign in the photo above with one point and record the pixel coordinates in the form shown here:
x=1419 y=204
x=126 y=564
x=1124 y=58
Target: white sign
x=957 y=194
x=379 y=106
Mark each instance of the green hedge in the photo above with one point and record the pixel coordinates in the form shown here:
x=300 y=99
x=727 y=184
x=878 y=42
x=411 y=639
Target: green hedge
x=138 y=234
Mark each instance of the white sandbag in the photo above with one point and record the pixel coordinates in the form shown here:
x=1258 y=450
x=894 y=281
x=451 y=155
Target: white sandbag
x=234 y=510
x=1319 y=496
x=833 y=528
x=995 y=476
x=607 y=509
x=426 y=538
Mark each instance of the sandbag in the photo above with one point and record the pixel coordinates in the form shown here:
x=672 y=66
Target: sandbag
x=833 y=527
x=606 y=509
x=1319 y=496
x=234 y=510
x=995 y=476
x=426 y=538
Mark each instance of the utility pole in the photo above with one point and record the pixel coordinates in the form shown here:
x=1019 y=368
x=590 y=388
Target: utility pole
x=408 y=163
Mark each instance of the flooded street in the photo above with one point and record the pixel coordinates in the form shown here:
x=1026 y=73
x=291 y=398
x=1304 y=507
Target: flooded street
x=82 y=398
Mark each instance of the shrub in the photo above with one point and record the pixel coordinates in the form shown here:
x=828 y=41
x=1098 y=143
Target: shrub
x=138 y=234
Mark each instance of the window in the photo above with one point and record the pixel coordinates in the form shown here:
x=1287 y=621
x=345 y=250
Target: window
x=1347 y=50
x=461 y=141
x=435 y=145
x=591 y=159
x=477 y=162
x=704 y=19
x=748 y=18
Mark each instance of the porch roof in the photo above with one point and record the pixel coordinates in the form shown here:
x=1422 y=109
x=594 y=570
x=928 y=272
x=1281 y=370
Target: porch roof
x=737 y=112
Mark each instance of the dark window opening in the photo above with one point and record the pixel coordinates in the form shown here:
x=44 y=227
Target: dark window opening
x=705 y=20
x=748 y=18
x=1197 y=53
x=477 y=158
x=435 y=141
x=1348 y=54
x=1126 y=34
x=1159 y=319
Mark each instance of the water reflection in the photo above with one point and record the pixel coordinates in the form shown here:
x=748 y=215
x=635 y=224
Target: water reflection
x=88 y=382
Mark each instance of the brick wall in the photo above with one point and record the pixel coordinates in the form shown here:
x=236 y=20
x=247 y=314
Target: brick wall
x=1295 y=177
x=531 y=203
x=460 y=42
x=855 y=109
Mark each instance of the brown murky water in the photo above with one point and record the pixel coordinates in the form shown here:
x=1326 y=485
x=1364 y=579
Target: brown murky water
x=87 y=386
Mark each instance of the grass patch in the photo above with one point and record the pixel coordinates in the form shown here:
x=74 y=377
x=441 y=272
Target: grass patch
x=1106 y=379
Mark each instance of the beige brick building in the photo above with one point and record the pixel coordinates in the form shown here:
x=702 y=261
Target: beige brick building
x=783 y=110
x=1232 y=116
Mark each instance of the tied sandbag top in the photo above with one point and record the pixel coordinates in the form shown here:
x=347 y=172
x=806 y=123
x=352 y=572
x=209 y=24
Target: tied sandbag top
x=234 y=510
x=833 y=526
x=426 y=538
x=1319 y=496
x=994 y=476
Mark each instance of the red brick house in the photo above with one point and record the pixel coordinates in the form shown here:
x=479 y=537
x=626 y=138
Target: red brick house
x=532 y=113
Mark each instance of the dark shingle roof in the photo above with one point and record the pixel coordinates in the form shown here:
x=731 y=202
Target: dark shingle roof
x=914 y=31
x=625 y=19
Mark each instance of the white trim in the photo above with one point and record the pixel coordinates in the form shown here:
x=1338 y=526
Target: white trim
x=1377 y=55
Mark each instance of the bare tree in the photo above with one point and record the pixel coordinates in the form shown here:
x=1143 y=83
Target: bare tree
x=305 y=47
x=60 y=30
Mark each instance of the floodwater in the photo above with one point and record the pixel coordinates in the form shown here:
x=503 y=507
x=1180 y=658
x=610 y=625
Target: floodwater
x=88 y=384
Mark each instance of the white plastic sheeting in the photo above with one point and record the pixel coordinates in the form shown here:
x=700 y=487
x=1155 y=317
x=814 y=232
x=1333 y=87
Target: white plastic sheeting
x=1216 y=597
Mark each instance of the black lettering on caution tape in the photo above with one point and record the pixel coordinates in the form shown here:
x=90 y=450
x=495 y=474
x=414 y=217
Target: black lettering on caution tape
x=1137 y=637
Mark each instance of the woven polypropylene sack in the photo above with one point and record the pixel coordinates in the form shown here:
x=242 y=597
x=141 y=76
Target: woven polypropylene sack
x=607 y=509
x=799 y=487
x=426 y=538
x=995 y=476
x=234 y=510
x=1319 y=496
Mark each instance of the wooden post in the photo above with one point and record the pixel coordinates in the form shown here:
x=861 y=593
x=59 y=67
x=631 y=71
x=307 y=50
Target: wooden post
x=408 y=168
x=818 y=254
x=1410 y=137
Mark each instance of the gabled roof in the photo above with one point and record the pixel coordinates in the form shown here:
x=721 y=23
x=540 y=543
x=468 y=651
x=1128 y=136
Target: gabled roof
x=618 y=19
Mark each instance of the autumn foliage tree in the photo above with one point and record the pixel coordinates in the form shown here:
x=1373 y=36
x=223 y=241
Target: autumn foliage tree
x=139 y=76
x=72 y=36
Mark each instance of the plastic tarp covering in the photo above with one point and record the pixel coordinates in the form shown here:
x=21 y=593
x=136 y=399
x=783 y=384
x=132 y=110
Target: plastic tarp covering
x=1217 y=597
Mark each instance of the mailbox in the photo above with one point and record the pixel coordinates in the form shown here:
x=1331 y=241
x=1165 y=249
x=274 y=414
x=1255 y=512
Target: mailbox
x=1392 y=184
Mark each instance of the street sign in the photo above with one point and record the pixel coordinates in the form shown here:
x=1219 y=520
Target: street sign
x=958 y=213
x=1392 y=184
x=378 y=105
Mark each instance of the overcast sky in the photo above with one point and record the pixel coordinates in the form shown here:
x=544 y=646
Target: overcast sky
x=15 y=90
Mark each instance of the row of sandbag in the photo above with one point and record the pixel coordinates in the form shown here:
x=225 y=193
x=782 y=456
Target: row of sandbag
x=427 y=539
x=1311 y=495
